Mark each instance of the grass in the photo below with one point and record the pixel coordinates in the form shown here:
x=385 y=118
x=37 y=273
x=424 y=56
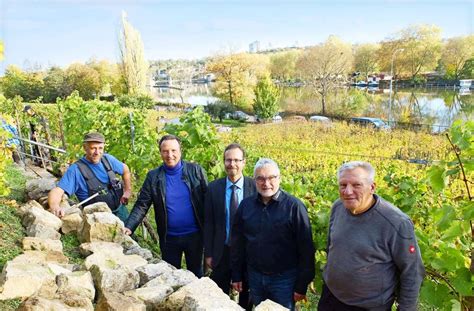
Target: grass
x=16 y=182
x=71 y=248
x=11 y=230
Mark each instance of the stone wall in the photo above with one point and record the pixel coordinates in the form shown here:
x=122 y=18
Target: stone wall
x=117 y=274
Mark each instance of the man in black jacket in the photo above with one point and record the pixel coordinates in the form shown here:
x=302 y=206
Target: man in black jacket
x=272 y=234
x=222 y=199
x=176 y=189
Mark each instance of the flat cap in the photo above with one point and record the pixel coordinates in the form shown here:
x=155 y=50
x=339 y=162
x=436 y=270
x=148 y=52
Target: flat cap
x=94 y=137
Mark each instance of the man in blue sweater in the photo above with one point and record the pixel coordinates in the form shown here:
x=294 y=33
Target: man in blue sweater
x=373 y=256
x=176 y=189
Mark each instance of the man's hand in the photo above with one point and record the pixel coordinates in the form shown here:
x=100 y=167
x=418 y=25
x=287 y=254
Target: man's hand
x=59 y=212
x=126 y=195
x=208 y=262
x=127 y=231
x=297 y=297
x=237 y=286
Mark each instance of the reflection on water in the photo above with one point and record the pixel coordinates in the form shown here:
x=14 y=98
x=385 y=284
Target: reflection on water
x=436 y=108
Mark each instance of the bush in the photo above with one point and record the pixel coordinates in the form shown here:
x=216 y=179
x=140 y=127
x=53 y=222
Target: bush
x=141 y=101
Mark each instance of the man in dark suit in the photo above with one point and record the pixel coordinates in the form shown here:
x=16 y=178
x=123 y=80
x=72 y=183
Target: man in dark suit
x=221 y=202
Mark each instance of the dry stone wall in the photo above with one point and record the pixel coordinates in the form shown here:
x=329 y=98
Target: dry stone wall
x=117 y=274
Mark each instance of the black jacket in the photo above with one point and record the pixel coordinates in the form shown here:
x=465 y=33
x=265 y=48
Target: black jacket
x=215 y=217
x=153 y=192
x=273 y=238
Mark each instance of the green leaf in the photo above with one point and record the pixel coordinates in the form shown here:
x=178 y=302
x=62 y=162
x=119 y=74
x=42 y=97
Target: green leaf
x=437 y=177
x=434 y=294
x=463 y=282
x=468 y=211
x=446 y=215
x=454 y=231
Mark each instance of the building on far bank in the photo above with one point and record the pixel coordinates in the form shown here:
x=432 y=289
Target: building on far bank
x=254 y=47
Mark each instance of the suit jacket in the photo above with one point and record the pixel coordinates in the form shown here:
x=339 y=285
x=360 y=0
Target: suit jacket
x=215 y=216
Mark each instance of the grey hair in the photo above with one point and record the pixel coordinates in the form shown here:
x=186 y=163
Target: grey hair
x=366 y=166
x=264 y=162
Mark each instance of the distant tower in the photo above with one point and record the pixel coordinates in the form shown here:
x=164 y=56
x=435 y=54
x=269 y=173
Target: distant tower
x=254 y=47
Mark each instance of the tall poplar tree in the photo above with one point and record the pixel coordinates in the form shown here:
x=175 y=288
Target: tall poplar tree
x=134 y=67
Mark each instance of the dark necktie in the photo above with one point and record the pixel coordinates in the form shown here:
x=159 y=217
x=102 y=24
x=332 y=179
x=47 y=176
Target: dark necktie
x=234 y=203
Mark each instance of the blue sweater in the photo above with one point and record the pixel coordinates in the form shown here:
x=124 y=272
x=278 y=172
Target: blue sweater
x=181 y=218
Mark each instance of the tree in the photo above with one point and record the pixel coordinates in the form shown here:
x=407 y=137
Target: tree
x=236 y=76
x=109 y=77
x=455 y=53
x=83 y=79
x=283 y=65
x=326 y=66
x=267 y=97
x=467 y=71
x=365 y=59
x=418 y=47
x=134 y=67
x=219 y=109
x=55 y=85
x=28 y=85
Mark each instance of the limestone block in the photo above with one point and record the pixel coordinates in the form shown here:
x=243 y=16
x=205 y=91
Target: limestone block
x=175 y=279
x=38 y=215
x=23 y=209
x=77 y=283
x=71 y=223
x=41 y=304
x=96 y=207
x=151 y=271
x=269 y=305
x=42 y=231
x=142 y=252
x=118 y=279
x=37 y=188
x=22 y=279
x=110 y=260
x=109 y=301
x=89 y=248
x=102 y=226
x=151 y=296
x=40 y=244
x=201 y=294
x=39 y=257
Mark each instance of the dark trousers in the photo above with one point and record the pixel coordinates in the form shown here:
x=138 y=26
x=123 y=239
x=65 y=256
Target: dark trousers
x=329 y=302
x=190 y=244
x=278 y=287
x=221 y=274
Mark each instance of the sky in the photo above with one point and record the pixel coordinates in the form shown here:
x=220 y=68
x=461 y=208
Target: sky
x=46 y=33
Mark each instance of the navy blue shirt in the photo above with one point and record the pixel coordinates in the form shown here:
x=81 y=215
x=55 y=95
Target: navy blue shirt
x=181 y=218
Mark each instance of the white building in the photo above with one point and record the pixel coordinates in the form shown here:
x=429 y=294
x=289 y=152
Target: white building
x=254 y=47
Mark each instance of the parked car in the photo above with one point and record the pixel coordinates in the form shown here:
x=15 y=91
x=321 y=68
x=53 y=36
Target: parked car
x=240 y=115
x=373 y=122
x=320 y=119
x=277 y=119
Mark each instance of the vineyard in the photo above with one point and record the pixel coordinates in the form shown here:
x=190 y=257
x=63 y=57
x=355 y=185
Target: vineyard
x=429 y=177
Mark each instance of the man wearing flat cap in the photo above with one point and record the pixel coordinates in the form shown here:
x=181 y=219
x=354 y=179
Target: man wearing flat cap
x=94 y=173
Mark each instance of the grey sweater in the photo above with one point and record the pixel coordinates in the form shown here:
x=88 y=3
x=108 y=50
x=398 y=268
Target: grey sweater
x=372 y=257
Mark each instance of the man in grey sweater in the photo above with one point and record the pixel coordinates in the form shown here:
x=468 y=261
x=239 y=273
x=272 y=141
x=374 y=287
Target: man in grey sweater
x=373 y=256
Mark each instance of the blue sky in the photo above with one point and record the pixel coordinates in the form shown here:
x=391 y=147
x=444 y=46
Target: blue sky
x=58 y=32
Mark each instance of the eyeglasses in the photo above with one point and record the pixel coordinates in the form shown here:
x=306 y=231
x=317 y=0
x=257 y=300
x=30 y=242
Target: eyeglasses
x=262 y=180
x=229 y=161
